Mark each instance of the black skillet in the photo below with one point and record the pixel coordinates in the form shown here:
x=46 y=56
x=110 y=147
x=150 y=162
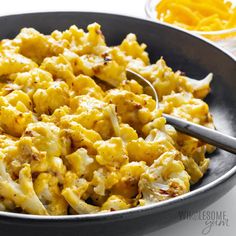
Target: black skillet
x=182 y=51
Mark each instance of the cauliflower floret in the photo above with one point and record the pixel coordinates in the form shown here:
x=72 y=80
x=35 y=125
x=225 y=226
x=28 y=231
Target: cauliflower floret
x=162 y=77
x=111 y=152
x=8 y=45
x=45 y=137
x=86 y=103
x=55 y=96
x=57 y=115
x=172 y=100
x=21 y=193
x=115 y=203
x=132 y=86
x=80 y=42
x=80 y=161
x=129 y=177
x=157 y=123
x=6 y=140
x=110 y=109
x=74 y=188
x=94 y=57
x=70 y=60
x=30 y=81
x=185 y=106
x=95 y=115
x=94 y=42
x=17 y=98
x=81 y=137
x=151 y=148
x=12 y=63
x=165 y=81
x=54 y=165
x=103 y=180
x=132 y=48
x=59 y=67
x=136 y=110
x=195 y=111
x=49 y=193
x=25 y=151
x=199 y=88
x=164 y=179
x=104 y=127
x=104 y=68
x=194 y=158
x=36 y=46
x=7 y=205
x=127 y=133
x=97 y=120
x=85 y=85
x=79 y=205
x=14 y=120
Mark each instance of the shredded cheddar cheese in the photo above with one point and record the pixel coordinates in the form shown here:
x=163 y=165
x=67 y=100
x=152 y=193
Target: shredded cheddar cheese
x=198 y=15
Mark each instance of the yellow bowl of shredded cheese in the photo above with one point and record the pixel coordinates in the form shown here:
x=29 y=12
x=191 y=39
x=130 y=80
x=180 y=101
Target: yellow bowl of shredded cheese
x=213 y=19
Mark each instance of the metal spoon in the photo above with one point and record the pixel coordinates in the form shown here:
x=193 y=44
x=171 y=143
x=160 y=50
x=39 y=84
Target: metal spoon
x=214 y=137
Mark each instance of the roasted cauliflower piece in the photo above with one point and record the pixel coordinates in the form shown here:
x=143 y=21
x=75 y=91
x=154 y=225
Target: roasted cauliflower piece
x=164 y=179
x=111 y=152
x=150 y=149
x=104 y=68
x=199 y=88
x=35 y=45
x=184 y=105
x=13 y=62
x=132 y=48
x=81 y=137
x=45 y=137
x=81 y=42
x=85 y=85
x=21 y=193
x=73 y=191
x=79 y=161
x=79 y=205
x=128 y=183
x=194 y=159
x=55 y=96
x=59 y=67
x=115 y=203
x=47 y=189
x=133 y=109
x=103 y=180
x=30 y=81
x=15 y=113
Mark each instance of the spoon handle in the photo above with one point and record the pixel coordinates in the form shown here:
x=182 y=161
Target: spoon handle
x=207 y=135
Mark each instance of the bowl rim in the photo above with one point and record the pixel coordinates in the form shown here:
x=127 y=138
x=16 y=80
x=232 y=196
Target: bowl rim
x=136 y=211
x=150 y=14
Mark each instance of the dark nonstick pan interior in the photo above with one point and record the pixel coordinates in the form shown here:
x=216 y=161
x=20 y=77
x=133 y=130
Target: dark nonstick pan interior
x=181 y=51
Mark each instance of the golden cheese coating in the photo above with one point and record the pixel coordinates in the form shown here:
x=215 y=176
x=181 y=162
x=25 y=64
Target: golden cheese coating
x=77 y=137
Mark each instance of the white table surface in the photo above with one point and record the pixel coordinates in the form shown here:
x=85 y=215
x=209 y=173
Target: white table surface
x=133 y=8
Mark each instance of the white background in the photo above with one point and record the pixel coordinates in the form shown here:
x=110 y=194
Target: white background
x=134 y=8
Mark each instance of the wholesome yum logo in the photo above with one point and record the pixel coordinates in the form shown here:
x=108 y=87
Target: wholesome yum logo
x=210 y=218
